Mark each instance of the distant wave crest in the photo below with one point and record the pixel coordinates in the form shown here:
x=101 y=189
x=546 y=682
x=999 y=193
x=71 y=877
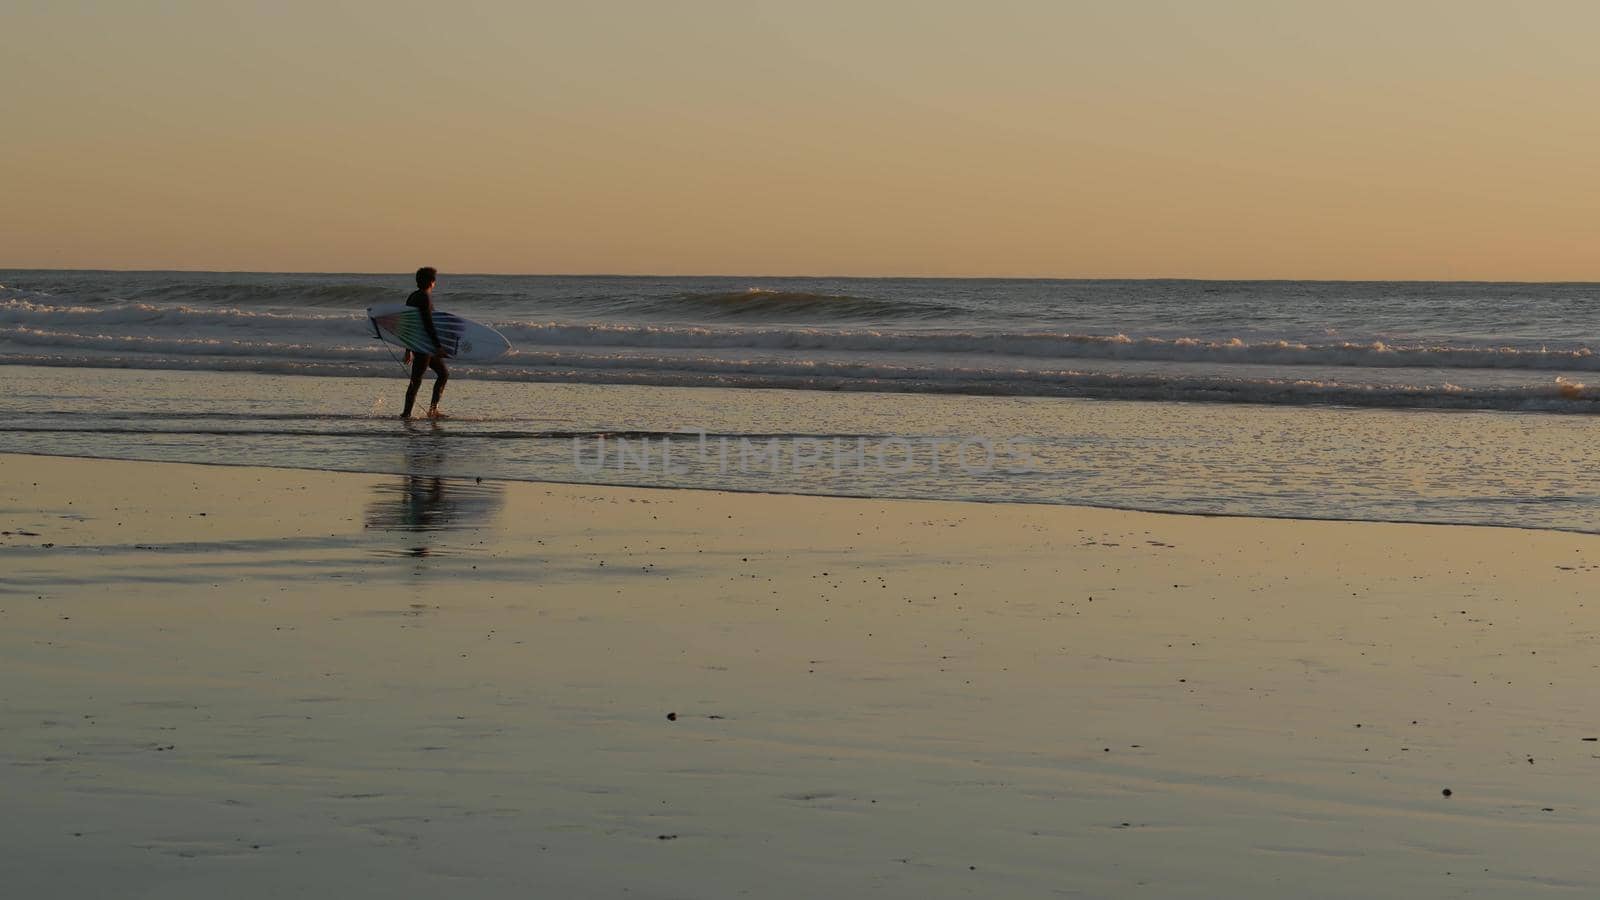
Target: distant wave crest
x=764 y=303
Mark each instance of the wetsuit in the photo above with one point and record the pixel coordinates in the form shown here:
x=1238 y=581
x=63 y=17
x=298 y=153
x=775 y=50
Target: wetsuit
x=422 y=362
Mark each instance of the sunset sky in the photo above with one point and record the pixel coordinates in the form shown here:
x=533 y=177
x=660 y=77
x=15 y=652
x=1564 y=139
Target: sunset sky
x=1449 y=140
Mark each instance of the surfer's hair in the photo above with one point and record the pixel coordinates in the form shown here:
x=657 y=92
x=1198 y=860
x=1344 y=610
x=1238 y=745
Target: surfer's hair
x=426 y=275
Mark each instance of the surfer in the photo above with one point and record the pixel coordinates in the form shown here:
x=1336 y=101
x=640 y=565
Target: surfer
x=422 y=300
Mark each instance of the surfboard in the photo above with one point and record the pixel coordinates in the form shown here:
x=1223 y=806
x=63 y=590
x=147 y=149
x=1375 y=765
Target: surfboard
x=464 y=339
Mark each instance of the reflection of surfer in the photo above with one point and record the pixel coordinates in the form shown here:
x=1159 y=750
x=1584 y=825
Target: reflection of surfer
x=423 y=506
x=422 y=300
x=423 y=503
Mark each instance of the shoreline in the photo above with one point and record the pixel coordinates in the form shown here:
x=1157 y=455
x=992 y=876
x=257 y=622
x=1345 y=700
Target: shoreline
x=1154 y=389
x=1264 y=517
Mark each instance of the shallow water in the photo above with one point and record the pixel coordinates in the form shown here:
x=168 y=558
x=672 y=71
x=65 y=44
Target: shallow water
x=1486 y=468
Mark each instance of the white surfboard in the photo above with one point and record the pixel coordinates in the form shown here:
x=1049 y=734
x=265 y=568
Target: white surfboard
x=464 y=339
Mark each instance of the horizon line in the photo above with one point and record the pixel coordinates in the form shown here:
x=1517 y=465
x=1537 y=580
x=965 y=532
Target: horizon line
x=811 y=277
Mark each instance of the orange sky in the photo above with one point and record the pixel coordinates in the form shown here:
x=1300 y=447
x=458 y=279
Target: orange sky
x=1011 y=137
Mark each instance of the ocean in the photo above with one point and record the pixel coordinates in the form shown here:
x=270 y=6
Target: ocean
x=1399 y=401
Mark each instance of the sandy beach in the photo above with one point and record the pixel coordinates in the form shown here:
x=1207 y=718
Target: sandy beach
x=290 y=683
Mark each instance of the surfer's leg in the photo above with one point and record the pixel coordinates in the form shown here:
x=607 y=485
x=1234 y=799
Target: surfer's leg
x=441 y=374
x=419 y=365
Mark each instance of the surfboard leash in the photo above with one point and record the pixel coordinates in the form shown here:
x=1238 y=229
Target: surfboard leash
x=379 y=335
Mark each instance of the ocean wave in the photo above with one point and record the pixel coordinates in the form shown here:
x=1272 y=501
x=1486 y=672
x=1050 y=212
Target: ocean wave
x=1113 y=359
x=34 y=310
x=1057 y=345
x=189 y=322
x=313 y=295
x=178 y=347
x=35 y=322
x=206 y=295
x=765 y=303
x=1559 y=395
x=621 y=301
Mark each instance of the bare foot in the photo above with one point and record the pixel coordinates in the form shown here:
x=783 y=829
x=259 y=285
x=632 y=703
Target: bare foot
x=435 y=414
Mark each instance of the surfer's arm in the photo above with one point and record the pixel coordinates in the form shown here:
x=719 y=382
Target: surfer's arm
x=427 y=325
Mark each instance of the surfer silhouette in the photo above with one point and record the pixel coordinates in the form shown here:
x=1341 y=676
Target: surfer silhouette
x=422 y=300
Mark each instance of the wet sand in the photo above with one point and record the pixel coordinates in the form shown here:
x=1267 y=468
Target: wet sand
x=259 y=683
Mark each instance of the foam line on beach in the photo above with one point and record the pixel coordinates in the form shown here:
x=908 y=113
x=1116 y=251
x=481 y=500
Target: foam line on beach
x=1558 y=395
